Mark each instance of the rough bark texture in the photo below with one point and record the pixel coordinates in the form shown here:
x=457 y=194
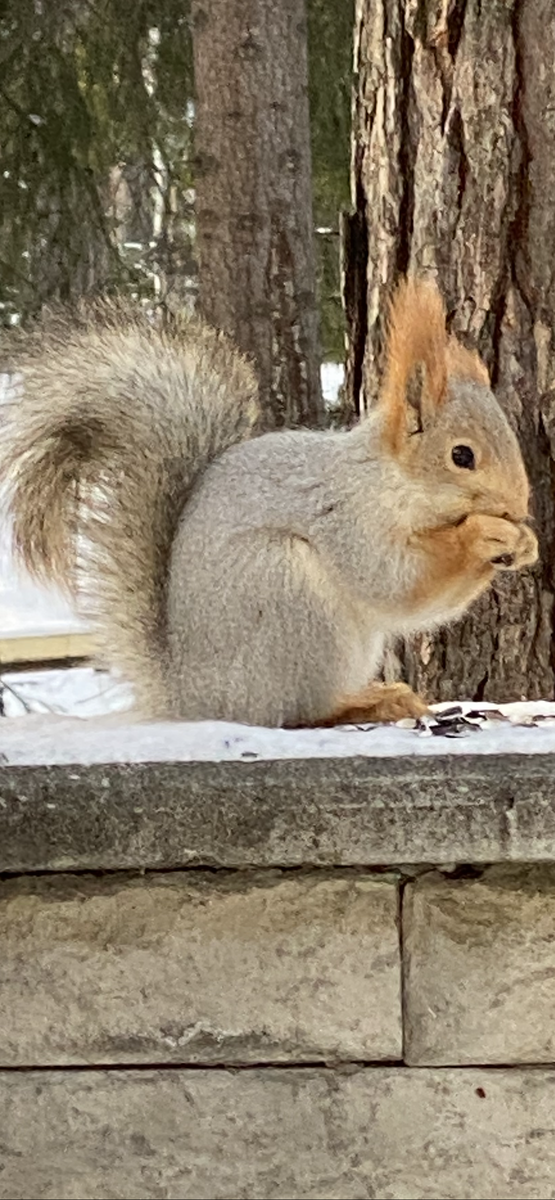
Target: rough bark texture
x=253 y=195
x=454 y=174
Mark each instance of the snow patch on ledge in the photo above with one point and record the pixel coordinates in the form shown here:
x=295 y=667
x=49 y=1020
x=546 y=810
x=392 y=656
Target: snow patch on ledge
x=50 y=740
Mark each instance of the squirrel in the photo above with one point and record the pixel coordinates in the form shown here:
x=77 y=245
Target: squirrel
x=258 y=577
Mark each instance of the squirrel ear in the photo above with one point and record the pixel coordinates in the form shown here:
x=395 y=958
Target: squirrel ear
x=415 y=397
x=465 y=364
x=415 y=379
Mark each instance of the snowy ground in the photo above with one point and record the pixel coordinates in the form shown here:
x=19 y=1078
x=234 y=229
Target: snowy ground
x=79 y=691
x=65 y=740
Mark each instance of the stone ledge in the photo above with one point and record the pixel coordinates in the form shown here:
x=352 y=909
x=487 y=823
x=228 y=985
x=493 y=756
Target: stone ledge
x=84 y=800
x=273 y=1134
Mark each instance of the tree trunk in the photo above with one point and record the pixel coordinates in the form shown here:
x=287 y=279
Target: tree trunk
x=253 y=195
x=454 y=175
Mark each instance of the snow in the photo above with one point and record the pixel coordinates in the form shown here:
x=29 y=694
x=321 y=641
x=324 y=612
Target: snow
x=78 y=691
x=332 y=376
x=36 y=740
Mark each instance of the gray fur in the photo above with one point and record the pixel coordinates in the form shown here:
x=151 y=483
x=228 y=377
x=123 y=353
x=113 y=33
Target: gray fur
x=251 y=580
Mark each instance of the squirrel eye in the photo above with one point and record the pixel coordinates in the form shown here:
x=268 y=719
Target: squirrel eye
x=463 y=456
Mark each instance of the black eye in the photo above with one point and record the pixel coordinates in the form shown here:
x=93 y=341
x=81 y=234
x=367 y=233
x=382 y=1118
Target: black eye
x=463 y=456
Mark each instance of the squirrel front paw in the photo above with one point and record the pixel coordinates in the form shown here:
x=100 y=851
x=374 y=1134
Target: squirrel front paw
x=504 y=544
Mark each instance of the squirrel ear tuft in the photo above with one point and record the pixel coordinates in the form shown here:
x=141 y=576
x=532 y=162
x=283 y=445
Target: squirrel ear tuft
x=465 y=364
x=415 y=378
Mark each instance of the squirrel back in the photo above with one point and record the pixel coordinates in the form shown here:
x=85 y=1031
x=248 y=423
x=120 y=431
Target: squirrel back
x=117 y=419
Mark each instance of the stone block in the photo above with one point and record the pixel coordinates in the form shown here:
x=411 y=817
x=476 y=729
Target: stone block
x=191 y=967
x=479 y=968
x=269 y=1134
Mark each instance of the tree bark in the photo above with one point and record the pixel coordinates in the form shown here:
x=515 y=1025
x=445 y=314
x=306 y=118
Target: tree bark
x=454 y=175
x=253 y=195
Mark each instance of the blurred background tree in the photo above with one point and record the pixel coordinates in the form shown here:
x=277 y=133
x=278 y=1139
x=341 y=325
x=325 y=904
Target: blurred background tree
x=95 y=113
x=97 y=166
x=454 y=174
x=330 y=65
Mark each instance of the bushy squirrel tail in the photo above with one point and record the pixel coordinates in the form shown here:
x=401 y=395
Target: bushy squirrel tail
x=118 y=418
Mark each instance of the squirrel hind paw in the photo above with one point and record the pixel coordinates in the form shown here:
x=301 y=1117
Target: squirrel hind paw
x=378 y=703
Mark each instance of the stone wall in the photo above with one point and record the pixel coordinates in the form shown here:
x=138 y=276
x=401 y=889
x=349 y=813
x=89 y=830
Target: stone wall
x=259 y=979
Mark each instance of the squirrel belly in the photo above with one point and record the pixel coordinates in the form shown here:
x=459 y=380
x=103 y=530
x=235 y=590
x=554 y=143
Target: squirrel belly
x=257 y=578
x=270 y=617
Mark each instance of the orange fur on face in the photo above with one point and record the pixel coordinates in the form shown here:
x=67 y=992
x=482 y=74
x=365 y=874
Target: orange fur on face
x=461 y=560
x=418 y=342
x=453 y=573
